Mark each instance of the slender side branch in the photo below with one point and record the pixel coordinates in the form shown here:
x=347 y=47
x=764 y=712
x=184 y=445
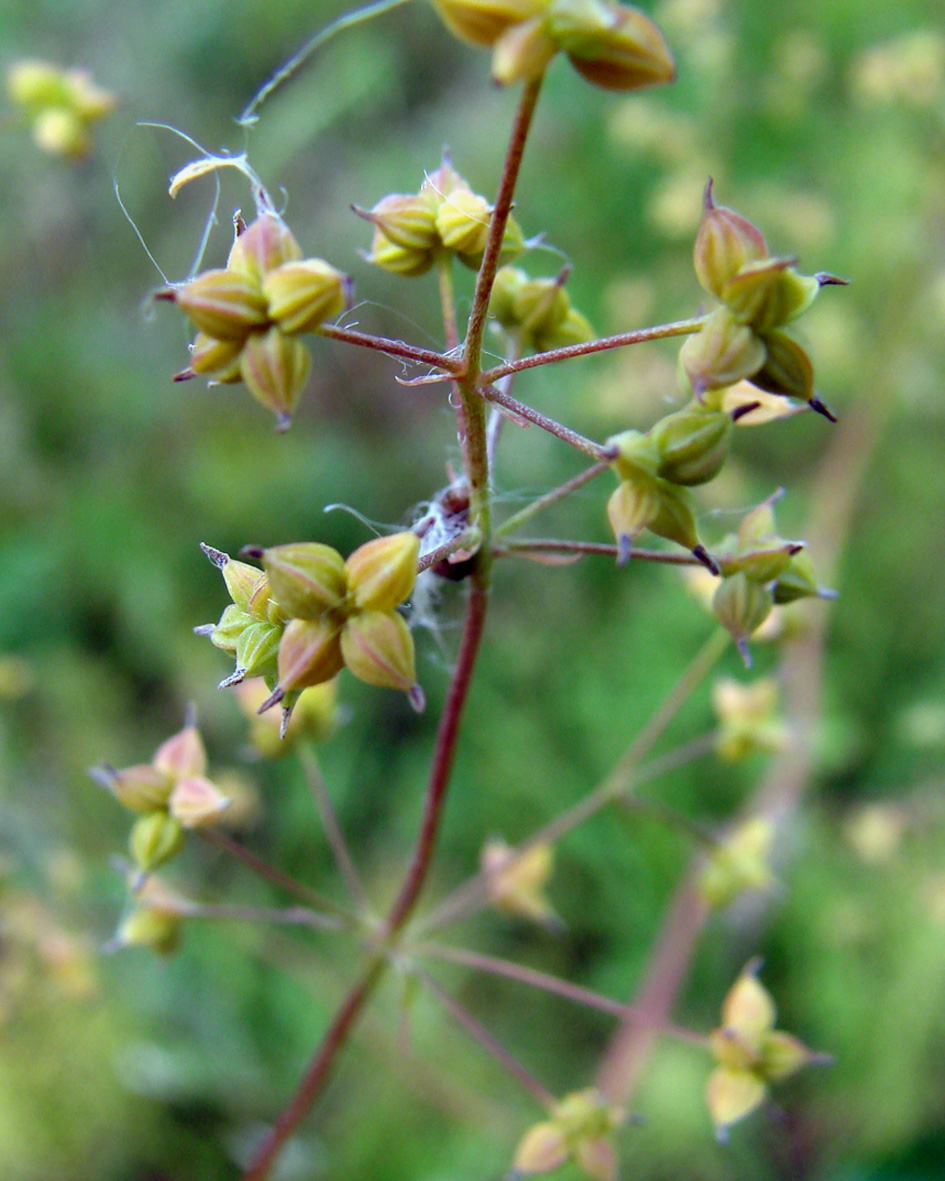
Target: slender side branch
x=391 y=348
x=552 y=546
x=490 y=1044
x=277 y=877
x=547 y=983
x=639 y=336
x=292 y=916
x=517 y=409
x=332 y=827
x=560 y=493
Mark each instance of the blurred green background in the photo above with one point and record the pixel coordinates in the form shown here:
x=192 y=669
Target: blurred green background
x=823 y=122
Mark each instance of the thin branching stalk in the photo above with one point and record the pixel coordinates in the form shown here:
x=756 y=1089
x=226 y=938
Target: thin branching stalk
x=621 y=340
x=525 y=546
x=291 y=916
x=492 y=393
x=490 y=1044
x=332 y=827
x=568 y=488
x=391 y=348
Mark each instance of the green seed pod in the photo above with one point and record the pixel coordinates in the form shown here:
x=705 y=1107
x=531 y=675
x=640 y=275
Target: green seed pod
x=223 y=304
x=62 y=132
x=381 y=573
x=378 y=648
x=523 y=52
x=142 y=788
x=462 y=221
x=257 y=650
x=218 y=360
x=675 y=519
x=611 y=46
x=262 y=605
x=147 y=926
x=742 y=605
x=540 y=306
x=265 y=244
x=304 y=294
x=154 y=840
x=482 y=22
x=509 y=281
x=309 y=654
x=787 y=369
x=575 y=328
x=726 y=242
x=408 y=261
x=36 y=84
x=513 y=246
x=758 y=527
x=692 y=445
x=631 y=508
x=89 y=101
x=242 y=581
x=721 y=353
x=407 y=219
x=762 y=563
x=306 y=578
x=798 y=581
x=226 y=634
x=769 y=293
x=637 y=455
x=182 y=754
x=276 y=367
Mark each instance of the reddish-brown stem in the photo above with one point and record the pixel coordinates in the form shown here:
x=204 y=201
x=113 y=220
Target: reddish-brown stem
x=468 y=539
x=491 y=393
x=640 y=336
x=276 y=877
x=476 y=327
x=443 y=756
x=444 y=752
x=547 y=983
x=317 y=1072
x=490 y=1044
x=392 y=348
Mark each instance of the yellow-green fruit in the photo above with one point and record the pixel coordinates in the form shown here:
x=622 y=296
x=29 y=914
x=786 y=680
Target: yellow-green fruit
x=309 y=653
x=226 y=634
x=381 y=574
x=223 y=304
x=154 y=840
x=630 y=509
x=265 y=244
x=36 y=84
x=612 y=46
x=637 y=455
x=798 y=581
x=306 y=578
x=409 y=261
x=276 y=367
x=257 y=649
x=742 y=605
x=787 y=369
x=726 y=242
x=142 y=788
x=218 y=360
x=769 y=293
x=721 y=353
x=304 y=294
x=408 y=219
x=523 y=52
x=146 y=926
x=62 y=132
x=674 y=518
x=482 y=22
x=378 y=648
x=692 y=445
x=462 y=221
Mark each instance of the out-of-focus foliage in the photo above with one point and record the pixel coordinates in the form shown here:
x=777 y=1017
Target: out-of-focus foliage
x=824 y=123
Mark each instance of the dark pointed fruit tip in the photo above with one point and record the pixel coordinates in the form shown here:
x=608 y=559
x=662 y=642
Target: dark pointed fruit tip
x=417 y=699
x=701 y=554
x=365 y=213
x=168 y=294
x=816 y=404
x=185 y=375
x=825 y=279
x=283 y=422
x=742 y=646
x=273 y=699
x=235 y=678
x=707 y=201
x=741 y=411
x=252 y=551
x=216 y=556
x=204 y=629
x=624 y=549
x=104 y=774
x=285 y=719
x=795 y=548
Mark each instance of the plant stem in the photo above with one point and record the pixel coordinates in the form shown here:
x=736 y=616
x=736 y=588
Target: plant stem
x=276 y=877
x=640 y=336
x=468 y=539
x=317 y=1072
x=337 y=1034
x=332 y=827
x=443 y=756
x=490 y=1044
x=391 y=348
x=606 y=549
x=563 y=490
x=500 y=217
x=293 y=916
x=492 y=393
x=552 y=984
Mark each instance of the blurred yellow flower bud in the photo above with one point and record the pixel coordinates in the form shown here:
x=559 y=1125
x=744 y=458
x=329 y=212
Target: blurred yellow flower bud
x=517 y=881
x=738 y=865
x=154 y=840
x=581 y=1129
x=748 y=718
x=181 y=755
x=196 y=802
